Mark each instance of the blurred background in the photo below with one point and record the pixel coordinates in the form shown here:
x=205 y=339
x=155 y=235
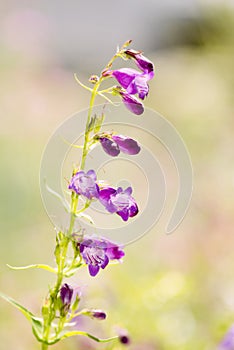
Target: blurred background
x=173 y=291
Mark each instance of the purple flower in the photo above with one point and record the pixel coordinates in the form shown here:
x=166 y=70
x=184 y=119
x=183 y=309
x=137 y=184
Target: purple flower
x=119 y=201
x=119 y=143
x=133 y=81
x=132 y=103
x=97 y=252
x=228 y=341
x=109 y=146
x=85 y=184
x=66 y=293
x=142 y=62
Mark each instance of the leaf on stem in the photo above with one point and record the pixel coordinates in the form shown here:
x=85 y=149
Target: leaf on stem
x=37 y=323
x=34 y=266
x=57 y=195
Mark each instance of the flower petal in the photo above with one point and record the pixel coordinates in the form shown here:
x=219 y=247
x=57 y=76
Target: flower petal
x=126 y=144
x=109 y=146
x=93 y=270
x=132 y=103
x=125 y=76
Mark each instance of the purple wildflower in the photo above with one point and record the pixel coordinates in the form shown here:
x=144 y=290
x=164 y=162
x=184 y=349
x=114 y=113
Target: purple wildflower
x=119 y=201
x=132 y=103
x=119 y=143
x=109 y=146
x=228 y=341
x=97 y=252
x=66 y=293
x=133 y=81
x=85 y=184
x=142 y=62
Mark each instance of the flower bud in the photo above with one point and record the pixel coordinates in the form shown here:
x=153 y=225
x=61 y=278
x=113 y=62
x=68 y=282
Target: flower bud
x=98 y=314
x=124 y=337
x=66 y=293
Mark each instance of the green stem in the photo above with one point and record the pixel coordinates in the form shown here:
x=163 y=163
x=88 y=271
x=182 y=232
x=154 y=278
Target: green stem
x=44 y=346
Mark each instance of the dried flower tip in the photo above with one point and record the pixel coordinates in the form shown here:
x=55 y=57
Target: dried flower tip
x=124 y=337
x=98 y=314
x=93 y=79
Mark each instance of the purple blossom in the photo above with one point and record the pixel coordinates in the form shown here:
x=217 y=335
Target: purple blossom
x=66 y=293
x=97 y=252
x=109 y=146
x=85 y=184
x=132 y=103
x=119 y=201
x=142 y=62
x=117 y=143
x=228 y=341
x=133 y=81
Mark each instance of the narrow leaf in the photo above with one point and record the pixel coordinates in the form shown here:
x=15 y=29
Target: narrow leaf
x=35 y=266
x=73 y=333
x=24 y=311
x=57 y=195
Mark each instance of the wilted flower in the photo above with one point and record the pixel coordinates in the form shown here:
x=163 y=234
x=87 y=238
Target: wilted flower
x=97 y=252
x=119 y=201
x=117 y=143
x=85 y=184
x=228 y=341
x=66 y=293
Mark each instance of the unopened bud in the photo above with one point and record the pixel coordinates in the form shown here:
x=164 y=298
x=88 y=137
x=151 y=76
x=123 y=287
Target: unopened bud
x=98 y=314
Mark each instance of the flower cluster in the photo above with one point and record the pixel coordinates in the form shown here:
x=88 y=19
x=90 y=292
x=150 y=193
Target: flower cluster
x=117 y=201
x=133 y=82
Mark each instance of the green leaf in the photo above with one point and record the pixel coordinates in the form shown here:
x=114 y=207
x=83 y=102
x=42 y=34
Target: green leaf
x=34 y=266
x=37 y=323
x=68 y=334
x=86 y=217
x=57 y=195
x=98 y=123
x=24 y=311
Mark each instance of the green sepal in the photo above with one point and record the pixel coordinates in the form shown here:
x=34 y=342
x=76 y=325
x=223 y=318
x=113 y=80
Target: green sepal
x=34 y=266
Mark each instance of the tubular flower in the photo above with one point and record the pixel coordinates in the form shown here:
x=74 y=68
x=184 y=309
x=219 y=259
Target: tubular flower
x=85 y=184
x=132 y=103
x=133 y=81
x=117 y=143
x=97 y=252
x=119 y=201
x=142 y=62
